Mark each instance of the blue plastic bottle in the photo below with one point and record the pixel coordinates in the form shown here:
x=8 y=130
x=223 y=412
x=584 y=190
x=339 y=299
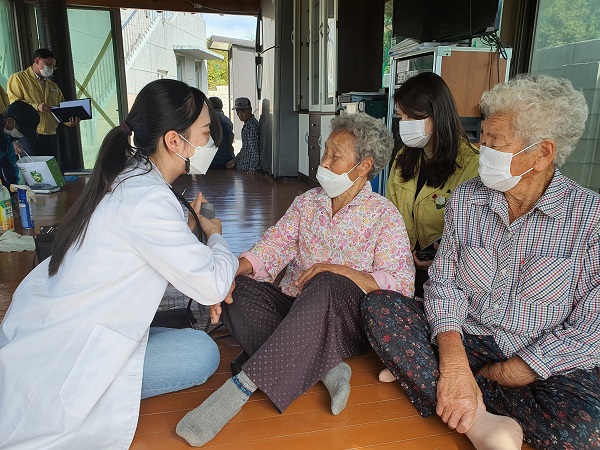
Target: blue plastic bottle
x=25 y=210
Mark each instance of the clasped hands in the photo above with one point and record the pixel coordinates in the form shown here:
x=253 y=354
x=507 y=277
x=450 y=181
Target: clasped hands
x=362 y=279
x=459 y=396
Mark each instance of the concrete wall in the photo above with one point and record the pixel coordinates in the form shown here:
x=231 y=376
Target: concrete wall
x=156 y=58
x=580 y=63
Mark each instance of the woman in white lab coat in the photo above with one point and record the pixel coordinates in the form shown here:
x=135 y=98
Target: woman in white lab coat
x=73 y=342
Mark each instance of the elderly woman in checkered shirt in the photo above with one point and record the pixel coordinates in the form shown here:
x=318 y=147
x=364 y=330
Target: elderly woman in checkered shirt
x=506 y=344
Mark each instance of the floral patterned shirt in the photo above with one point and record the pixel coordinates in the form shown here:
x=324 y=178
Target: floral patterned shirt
x=367 y=234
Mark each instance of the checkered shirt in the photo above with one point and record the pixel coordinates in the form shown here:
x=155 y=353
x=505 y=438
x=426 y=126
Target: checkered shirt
x=249 y=156
x=533 y=284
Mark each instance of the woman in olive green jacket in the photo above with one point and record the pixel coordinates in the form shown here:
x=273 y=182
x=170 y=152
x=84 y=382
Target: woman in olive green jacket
x=435 y=158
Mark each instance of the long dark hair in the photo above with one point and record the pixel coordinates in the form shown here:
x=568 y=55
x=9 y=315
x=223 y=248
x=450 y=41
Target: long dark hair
x=427 y=95
x=161 y=106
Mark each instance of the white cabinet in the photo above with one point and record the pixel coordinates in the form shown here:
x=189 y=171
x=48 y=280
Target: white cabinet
x=323 y=68
x=301 y=40
x=325 y=132
x=322 y=51
x=314 y=130
x=315 y=54
x=337 y=48
x=303 y=144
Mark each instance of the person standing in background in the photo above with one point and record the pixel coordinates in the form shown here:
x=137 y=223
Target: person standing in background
x=3 y=107
x=19 y=125
x=3 y=141
x=225 y=152
x=33 y=86
x=3 y=100
x=248 y=158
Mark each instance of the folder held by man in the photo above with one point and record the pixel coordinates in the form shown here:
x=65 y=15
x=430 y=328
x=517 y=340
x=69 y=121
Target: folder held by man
x=81 y=108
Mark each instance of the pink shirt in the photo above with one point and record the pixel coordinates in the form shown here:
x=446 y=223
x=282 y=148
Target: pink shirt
x=367 y=234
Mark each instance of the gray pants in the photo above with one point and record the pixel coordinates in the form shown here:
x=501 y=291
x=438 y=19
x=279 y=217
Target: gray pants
x=294 y=342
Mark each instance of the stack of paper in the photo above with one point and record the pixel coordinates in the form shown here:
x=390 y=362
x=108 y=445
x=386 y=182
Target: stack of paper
x=410 y=45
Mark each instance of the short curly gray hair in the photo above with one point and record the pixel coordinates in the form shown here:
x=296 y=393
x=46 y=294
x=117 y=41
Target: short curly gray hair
x=542 y=107
x=372 y=138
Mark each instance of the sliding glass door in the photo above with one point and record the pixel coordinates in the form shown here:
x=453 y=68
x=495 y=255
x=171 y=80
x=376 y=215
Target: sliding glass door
x=96 y=75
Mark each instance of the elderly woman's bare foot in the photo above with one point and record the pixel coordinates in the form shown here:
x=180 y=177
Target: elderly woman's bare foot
x=493 y=432
x=386 y=376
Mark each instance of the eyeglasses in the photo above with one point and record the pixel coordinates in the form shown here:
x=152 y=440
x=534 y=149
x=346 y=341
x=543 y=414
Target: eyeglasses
x=49 y=66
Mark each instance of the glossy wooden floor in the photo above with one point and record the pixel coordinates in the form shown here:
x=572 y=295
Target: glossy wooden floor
x=378 y=415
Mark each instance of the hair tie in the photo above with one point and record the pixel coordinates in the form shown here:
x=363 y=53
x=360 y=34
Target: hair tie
x=125 y=128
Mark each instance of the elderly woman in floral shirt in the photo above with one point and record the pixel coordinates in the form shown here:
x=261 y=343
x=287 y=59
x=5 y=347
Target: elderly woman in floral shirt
x=338 y=242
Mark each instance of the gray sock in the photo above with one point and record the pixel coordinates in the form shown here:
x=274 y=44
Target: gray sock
x=202 y=424
x=337 y=382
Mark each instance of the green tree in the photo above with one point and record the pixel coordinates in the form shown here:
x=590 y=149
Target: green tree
x=563 y=22
x=218 y=70
x=387 y=35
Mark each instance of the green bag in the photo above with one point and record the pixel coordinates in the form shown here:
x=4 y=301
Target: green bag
x=40 y=170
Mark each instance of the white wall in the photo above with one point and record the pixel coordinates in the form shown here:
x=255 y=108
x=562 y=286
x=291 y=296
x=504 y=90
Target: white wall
x=156 y=54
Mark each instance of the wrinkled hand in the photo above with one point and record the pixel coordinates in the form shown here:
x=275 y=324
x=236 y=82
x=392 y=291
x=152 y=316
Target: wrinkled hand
x=42 y=107
x=363 y=280
x=424 y=265
x=318 y=268
x=29 y=193
x=514 y=372
x=458 y=397
x=215 y=310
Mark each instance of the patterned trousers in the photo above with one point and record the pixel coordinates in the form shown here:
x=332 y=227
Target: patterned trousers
x=294 y=342
x=561 y=412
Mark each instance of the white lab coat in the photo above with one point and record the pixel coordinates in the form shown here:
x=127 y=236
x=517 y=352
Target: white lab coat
x=72 y=346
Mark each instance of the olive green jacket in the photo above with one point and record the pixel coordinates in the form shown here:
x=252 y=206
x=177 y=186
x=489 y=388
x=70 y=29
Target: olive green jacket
x=423 y=214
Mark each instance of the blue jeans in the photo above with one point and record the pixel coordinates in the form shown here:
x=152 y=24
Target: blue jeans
x=177 y=359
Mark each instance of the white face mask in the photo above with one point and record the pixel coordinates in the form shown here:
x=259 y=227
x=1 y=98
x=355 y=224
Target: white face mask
x=333 y=183
x=199 y=162
x=494 y=168
x=413 y=133
x=14 y=133
x=46 y=72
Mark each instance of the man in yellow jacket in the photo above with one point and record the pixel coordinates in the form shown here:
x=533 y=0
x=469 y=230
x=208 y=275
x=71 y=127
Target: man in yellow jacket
x=33 y=86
